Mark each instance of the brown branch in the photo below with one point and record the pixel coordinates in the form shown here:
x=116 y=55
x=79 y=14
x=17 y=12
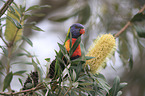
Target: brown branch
x=5 y=7
x=128 y=24
x=39 y=86
x=67 y=91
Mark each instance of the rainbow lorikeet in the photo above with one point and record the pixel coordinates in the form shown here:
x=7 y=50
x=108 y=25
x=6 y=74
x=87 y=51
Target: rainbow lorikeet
x=76 y=30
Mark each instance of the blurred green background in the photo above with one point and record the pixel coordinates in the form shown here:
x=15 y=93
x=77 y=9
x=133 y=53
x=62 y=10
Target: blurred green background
x=98 y=17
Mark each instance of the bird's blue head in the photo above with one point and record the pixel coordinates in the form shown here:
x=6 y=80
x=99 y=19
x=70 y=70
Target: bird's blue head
x=76 y=30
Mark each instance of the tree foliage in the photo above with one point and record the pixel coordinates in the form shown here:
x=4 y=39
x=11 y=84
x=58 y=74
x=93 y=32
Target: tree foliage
x=75 y=79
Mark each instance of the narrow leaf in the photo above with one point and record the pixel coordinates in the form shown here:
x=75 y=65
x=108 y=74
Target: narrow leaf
x=138 y=17
x=27 y=40
x=13 y=26
x=89 y=57
x=4 y=50
x=37 y=7
x=7 y=80
x=74 y=75
x=47 y=59
x=37 y=28
x=20 y=81
x=62 y=48
x=140 y=31
x=19 y=73
x=15 y=22
x=76 y=44
x=122 y=85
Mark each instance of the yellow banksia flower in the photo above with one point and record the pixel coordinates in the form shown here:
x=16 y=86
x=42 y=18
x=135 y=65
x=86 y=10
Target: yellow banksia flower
x=102 y=48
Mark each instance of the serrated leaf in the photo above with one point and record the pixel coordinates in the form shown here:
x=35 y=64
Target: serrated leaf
x=19 y=73
x=7 y=80
x=27 y=40
x=138 y=17
x=140 y=31
x=13 y=27
x=37 y=28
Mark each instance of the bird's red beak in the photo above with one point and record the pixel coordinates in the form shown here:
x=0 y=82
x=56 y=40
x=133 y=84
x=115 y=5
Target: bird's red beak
x=82 y=31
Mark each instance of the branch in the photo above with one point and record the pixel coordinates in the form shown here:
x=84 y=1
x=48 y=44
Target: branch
x=128 y=24
x=39 y=86
x=5 y=7
x=67 y=91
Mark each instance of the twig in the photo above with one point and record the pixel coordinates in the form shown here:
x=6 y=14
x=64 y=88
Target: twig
x=128 y=23
x=5 y=7
x=68 y=90
x=40 y=86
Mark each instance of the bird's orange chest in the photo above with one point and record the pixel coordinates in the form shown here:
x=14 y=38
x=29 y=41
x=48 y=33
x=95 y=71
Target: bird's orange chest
x=77 y=52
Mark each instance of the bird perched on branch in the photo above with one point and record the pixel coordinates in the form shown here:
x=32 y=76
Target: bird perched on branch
x=75 y=31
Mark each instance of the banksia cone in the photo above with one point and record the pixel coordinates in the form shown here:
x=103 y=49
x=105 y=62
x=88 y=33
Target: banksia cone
x=31 y=81
x=102 y=48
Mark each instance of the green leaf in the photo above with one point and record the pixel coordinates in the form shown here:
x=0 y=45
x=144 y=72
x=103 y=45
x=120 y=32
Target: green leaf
x=16 y=7
x=103 y=84
x=37 y=28
x=39 y=14
x=34 y=7
x=15 y=22
x=76 y=44
x=86 y=84
x=138 y=17
x=3 y=18
x=86 y=89
x=89 y=57
x=122 y=85
x=26 y=63
x=115 y=86
x=4 y=50
x=1 y=73
x=19 y=73
x=47 y=59
x=7 y=80
x=20 y=81
x=27 y=40
x=62 y=48
x=34 y=64
x=115 y=89
x=140 y=31
x=74 y=75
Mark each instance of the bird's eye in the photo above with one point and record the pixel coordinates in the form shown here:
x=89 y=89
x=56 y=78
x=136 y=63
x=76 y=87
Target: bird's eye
x=76 y=27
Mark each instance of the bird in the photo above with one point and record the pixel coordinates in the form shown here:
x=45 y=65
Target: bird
x=75 y=30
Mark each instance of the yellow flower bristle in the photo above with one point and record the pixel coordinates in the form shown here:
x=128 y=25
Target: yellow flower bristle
x=102 y=48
